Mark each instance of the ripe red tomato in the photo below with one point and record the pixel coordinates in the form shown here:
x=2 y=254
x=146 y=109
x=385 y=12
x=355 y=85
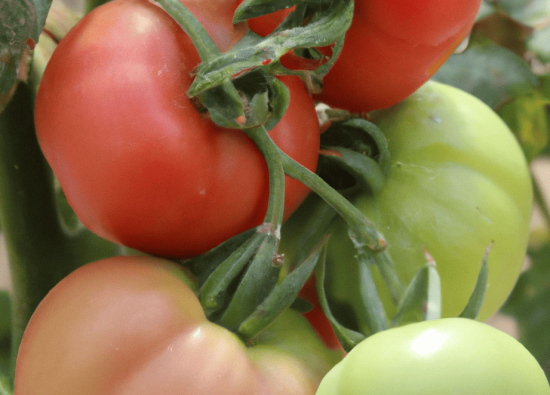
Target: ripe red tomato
x=138 y=163
x=317 y=318
x=265 y=24
x=392 y=48
x=132 y=325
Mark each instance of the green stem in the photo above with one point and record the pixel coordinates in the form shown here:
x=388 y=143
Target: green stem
x=201 y=40
x=362 y=230
x=276 y=202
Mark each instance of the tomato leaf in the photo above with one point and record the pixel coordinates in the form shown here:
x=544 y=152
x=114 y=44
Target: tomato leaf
x=488 y=71
x=21 y=22
x=529 y=12
x=527 y=118
x=331 y=25
x=539 y=43
x=528 y=304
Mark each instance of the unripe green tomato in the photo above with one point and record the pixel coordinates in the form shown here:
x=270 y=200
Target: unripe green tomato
x=458 y=181
x=451 y=356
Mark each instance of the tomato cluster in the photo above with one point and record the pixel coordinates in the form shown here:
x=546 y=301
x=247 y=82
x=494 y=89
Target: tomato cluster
x=133 y=325
x=139 y=164
x=145 y=165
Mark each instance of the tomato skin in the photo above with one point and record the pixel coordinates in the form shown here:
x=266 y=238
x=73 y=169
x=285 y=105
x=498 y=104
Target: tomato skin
x=392 y=48
x=265 y=24
x=458 y=181
x=317 y=318
x=132 y=325
x=138 y=163
x=448 y=356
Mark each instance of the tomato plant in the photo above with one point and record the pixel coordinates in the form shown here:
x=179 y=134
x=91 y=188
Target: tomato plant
x=133 y=325
x=392 y=48
x=447 y=356
x=458 y=181
x=138 y=162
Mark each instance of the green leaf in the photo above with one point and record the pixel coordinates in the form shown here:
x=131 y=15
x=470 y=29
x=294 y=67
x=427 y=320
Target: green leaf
x=5 y=387
x=527 y=117
x=21 y=21
x=485 y=10
x=529 y=304
x=5 y=333
x=539 y=43
x=529 y=12
x=330 y=24
x=490 y=72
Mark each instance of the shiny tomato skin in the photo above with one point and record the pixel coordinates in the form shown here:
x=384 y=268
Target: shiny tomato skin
x=452 y=356
x=458 y=183
x=138 y=163
x=392 y=48
x=133 y=325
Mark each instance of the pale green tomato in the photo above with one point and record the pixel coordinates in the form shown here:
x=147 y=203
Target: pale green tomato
x=451 y=356
x=458 y=181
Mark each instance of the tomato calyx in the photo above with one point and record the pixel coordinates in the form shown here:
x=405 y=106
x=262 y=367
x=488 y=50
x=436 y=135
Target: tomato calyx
x=355 y=159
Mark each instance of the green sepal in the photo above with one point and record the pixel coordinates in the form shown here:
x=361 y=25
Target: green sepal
x=213 y=291
x=348 y=338
x=281 y=298
x=372 y=305
x=364 y=170
x=332 y=24
x=202 y=266
x=280 y=96
x=476 y=299
x=224 y=105
x=422 y=298
x=301 y=305
x=258 y=281
x=359 y=135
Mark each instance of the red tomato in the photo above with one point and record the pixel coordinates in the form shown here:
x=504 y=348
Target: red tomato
x=392 y=48
x=132 y=325
x=317 y=318
x=265 y=24
x=138 y=163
